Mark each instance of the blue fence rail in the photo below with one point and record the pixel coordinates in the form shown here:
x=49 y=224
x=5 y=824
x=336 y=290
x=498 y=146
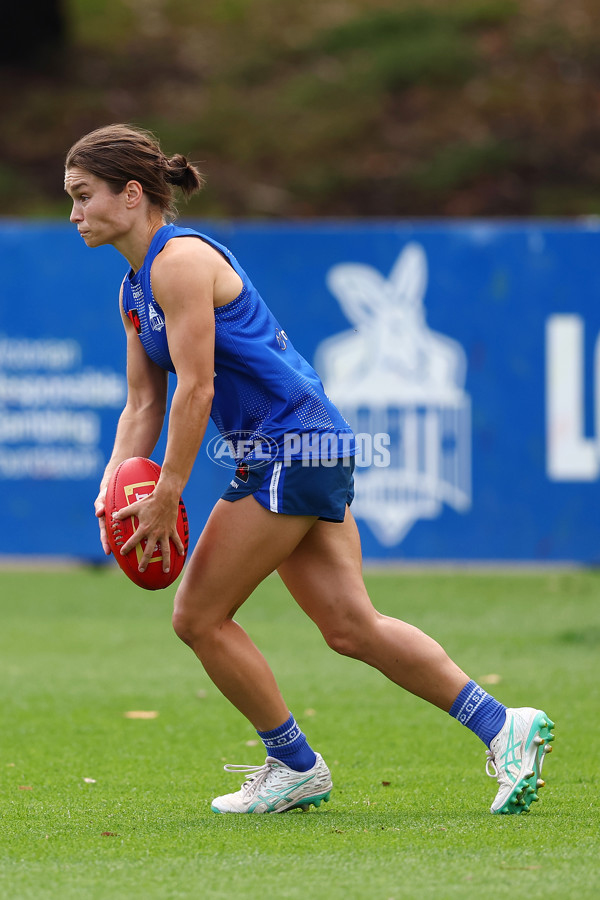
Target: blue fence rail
x=465 y=355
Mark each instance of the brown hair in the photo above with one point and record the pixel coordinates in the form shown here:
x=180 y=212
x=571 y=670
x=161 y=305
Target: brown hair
x=122 y=153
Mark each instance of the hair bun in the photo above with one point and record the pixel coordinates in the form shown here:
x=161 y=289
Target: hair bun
x=183 y=174
x=176 y=167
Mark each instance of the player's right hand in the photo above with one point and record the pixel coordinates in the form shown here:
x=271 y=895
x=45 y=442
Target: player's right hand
x=99 y=508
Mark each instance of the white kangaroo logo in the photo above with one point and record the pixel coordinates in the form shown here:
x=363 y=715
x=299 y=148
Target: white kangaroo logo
x=393 y=373
x=392 y=353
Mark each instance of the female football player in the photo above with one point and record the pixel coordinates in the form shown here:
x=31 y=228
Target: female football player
x=189 y=308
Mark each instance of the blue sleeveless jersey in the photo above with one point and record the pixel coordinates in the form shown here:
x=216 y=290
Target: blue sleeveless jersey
x=263 y=387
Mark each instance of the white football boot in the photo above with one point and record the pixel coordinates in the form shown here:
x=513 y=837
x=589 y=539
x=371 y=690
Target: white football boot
x=516 y=757
x=274 y=788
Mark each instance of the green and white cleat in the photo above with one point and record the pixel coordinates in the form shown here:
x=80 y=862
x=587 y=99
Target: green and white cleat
x=516 y=757
x=274 y=788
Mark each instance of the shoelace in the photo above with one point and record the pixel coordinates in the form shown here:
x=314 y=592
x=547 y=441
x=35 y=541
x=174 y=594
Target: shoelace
x=490 y=762
x=496 y=772
x=255 y=774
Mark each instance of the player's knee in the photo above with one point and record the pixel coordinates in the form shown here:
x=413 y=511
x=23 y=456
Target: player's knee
x=344 y=641
x=193 y=628
x=353 y=635
x=187 y=627
x=182 y=627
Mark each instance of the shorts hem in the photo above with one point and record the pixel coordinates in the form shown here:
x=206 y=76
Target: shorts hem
x=322 y=493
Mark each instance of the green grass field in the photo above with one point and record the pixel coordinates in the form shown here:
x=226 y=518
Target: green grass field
x=96 y=805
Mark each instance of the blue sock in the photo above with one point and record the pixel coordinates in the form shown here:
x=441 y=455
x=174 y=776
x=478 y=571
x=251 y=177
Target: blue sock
x=479 y=711
x=289 y=744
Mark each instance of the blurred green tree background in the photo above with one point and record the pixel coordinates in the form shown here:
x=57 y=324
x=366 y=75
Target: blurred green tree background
x=362 y=108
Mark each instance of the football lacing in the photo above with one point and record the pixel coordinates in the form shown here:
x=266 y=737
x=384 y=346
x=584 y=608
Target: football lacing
x=117 y=532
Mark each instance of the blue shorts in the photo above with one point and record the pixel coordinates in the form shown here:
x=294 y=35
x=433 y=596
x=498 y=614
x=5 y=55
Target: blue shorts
x=293 y=489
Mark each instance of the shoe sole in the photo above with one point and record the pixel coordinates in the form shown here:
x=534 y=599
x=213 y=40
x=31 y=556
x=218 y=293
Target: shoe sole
x=304 y=803
x=307 y=802
x=525 y=789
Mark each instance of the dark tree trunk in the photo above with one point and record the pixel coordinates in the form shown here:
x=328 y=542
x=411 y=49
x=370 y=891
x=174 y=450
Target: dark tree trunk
x=33 y=33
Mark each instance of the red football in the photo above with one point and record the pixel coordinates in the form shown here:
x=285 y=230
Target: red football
x=133 y=480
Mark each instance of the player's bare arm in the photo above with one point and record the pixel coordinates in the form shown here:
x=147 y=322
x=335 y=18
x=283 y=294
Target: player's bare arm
x=183 y=282
x=142 y=418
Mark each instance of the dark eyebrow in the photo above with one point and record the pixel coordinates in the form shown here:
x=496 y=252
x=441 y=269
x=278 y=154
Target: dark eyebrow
x=76 y=187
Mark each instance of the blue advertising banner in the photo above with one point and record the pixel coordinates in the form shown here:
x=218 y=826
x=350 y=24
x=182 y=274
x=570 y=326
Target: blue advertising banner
x=466 y=356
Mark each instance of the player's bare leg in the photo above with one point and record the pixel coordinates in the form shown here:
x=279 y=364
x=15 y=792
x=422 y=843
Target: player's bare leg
x=240 y=545
x=324 y=575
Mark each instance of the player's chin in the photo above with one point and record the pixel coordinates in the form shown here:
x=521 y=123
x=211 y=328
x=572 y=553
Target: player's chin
x=92 y=240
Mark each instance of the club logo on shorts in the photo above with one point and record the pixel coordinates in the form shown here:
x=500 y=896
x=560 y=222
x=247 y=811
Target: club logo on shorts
x=242 y=472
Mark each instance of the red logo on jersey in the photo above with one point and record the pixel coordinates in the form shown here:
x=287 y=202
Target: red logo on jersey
x=133 y=315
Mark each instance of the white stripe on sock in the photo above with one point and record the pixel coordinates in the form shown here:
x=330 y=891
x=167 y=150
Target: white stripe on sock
x=471 y=704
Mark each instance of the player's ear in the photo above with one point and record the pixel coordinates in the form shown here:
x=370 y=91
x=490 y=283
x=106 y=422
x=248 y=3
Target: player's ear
x=133 y=192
